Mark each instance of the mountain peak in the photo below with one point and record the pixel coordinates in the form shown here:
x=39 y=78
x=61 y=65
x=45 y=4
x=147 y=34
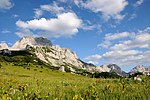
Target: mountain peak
x=114 y=66
x=142 y=69
x=37 y=41
x=3 y=46
x=43 y=41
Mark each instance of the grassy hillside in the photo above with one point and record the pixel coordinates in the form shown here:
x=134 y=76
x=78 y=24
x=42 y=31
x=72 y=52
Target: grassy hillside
x=35 y=82
x=20 y=57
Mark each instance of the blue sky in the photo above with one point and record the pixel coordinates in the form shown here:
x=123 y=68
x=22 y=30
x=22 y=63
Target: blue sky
x=99 y=31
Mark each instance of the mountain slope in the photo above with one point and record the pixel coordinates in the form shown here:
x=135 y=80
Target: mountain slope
x=141 y=69
x=53 y=55
x=40 y=48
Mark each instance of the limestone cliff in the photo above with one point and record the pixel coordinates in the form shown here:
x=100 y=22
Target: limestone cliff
x=45 y=51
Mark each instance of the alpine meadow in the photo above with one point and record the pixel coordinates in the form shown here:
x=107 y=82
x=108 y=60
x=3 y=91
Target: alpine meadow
x=74 y=50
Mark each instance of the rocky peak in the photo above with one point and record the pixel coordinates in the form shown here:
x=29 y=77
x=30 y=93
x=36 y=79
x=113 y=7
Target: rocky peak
x=141 y=69
x=45 y=51
x=30 y=41
x=58 y=56
x=111 y=68
x=114 y=67
x=3 y=46
x=43 y=41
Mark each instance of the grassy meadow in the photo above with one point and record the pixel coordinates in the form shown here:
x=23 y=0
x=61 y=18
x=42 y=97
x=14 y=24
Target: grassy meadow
x=35 y=82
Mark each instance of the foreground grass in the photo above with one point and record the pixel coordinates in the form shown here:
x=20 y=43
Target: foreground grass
x=37 y=83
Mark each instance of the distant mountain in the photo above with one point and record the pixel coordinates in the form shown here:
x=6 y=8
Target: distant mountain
x=141 y=69
x=112 y=68
x=3 y=46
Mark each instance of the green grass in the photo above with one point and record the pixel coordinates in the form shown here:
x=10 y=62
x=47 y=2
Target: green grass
x=40 y=83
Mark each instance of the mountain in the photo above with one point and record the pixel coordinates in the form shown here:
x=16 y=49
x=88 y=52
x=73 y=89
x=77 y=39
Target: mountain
x=115 y=68
x=61 y=58
x=112 y=68
x=142 y=69
x=3 y=46
x=29 y=41
x=51 y=54
x=64 y=59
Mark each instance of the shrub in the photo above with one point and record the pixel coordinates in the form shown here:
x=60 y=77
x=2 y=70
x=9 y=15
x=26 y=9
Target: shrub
x=105 y=75
x=67 y=69
x=28 y=68
x=136 y=74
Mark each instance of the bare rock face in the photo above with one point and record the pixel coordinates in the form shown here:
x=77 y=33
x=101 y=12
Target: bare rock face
x=62 y=69
x=54 y=55
x=111 y=68
x=58 y=56
x=103 y=68
x=141 y=69
x=29 y=41
x=3 y=46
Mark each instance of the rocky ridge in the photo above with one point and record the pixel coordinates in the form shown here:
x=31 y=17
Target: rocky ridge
x=45 y=51
x=141 y=69
x=111 y=68
x=62 y=58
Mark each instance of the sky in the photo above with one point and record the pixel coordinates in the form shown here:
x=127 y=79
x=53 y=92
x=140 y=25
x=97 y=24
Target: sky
x=98 y=31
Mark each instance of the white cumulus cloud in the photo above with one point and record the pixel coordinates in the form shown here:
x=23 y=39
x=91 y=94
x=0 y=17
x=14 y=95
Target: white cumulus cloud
x=93 y=62
x=117 y=36
x=52 y=8
x=138 y=3
x=94 y=59
x=108 y=8
x=120 y=54
x=110 y=37
x=140 y=41
x=65 y=25
x=5 y=31
x=5 y=4
x=131 y=51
